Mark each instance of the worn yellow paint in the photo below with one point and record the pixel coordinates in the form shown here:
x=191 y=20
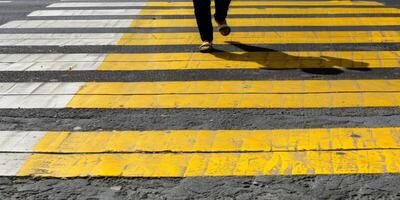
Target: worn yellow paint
x=257 y=22
x=300 y=94
x=275 y=3
x=252 y=60
x=217 y=153
x=264 y=37
x=274 y=11
x=192 y=141
x=330 y=100
x=213 y=164
x=240 y=87
x=235 y=152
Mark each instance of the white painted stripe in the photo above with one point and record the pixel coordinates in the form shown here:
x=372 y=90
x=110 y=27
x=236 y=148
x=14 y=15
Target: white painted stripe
x=37 y=95
x=11 y=163
x=5 y=1
x=96 y=4
x=99 y=1
x=50 y=62
x=60 y=39
x=50 y=66
x=15 y=148
x=123 y=23
x=34 y=101
x=51 y=57
x=19 y=141
x=39 y=88
x=41 y=13
x=61 y=36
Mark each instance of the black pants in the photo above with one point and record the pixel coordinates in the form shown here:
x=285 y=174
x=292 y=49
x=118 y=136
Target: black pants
x=202 y=10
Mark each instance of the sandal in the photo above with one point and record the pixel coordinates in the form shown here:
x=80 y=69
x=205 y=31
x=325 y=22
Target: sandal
x=205 y=47
x=223 y=28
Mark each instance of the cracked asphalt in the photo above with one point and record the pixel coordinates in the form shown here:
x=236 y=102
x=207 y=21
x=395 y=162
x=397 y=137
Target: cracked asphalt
x=363 y=187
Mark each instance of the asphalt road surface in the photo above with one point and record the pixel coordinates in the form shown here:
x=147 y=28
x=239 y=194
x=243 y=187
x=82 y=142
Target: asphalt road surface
x=109 y=99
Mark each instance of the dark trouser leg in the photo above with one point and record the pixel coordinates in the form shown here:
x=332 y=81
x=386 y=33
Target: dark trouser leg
x=221 y=10
x=202 y=10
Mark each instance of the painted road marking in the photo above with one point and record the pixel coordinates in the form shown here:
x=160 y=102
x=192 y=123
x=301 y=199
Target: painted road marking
x=37 y=95
x=50 y=62
x=324 y=100
x=342 y=154
x=24 y=36
x=134 y=39
x=252 y=60
x=211 y=164
x=264 y=37
x=96 y=4
x=203 y=152
x=256 y=22
x=200 y=87
x=291 y=94
x=34 y=101
x=11 y=163
x=13 y=144
x=203 y=94
x=239 y=87
x=182 y=61
x=234 y=3
x=19 y=141
x=232 y=11
x=60 y=39
x=109 y=23
x=84 y=12
x=37 y=88
x=276 y=3
x=195 y=141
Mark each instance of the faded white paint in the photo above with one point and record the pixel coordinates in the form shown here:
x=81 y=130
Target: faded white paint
x=112 y=12
x=40 y=88
x=19 y=141
x=95 y=4
x=60 y=39
x=37 y=95
x=60 y=36
x=50 y=62
x=34 y=101
x=111 y=23
x=11 y=163
x=15 y=148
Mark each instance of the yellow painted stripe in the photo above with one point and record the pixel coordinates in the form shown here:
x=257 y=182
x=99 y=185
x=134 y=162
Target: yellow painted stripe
x=252 y=60
x=241 y=87
x=212 y=164
x=186 y=141
x=276 y=3
x=256 y=22
x=330 y=100
x=264 y=37
x=300 y=94
x=255 y=11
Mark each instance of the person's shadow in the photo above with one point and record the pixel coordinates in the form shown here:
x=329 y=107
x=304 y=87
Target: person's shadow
x=276 y=60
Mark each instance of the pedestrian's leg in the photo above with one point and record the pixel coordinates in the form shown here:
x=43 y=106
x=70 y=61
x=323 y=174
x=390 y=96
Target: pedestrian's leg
x=202 y=11
x=221 y=11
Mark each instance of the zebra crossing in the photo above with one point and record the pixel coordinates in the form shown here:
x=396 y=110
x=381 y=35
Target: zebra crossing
x=323 y=37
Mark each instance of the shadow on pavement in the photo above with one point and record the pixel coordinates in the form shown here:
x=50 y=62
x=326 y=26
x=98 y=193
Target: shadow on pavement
x=390 y=3
x=277 y=60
